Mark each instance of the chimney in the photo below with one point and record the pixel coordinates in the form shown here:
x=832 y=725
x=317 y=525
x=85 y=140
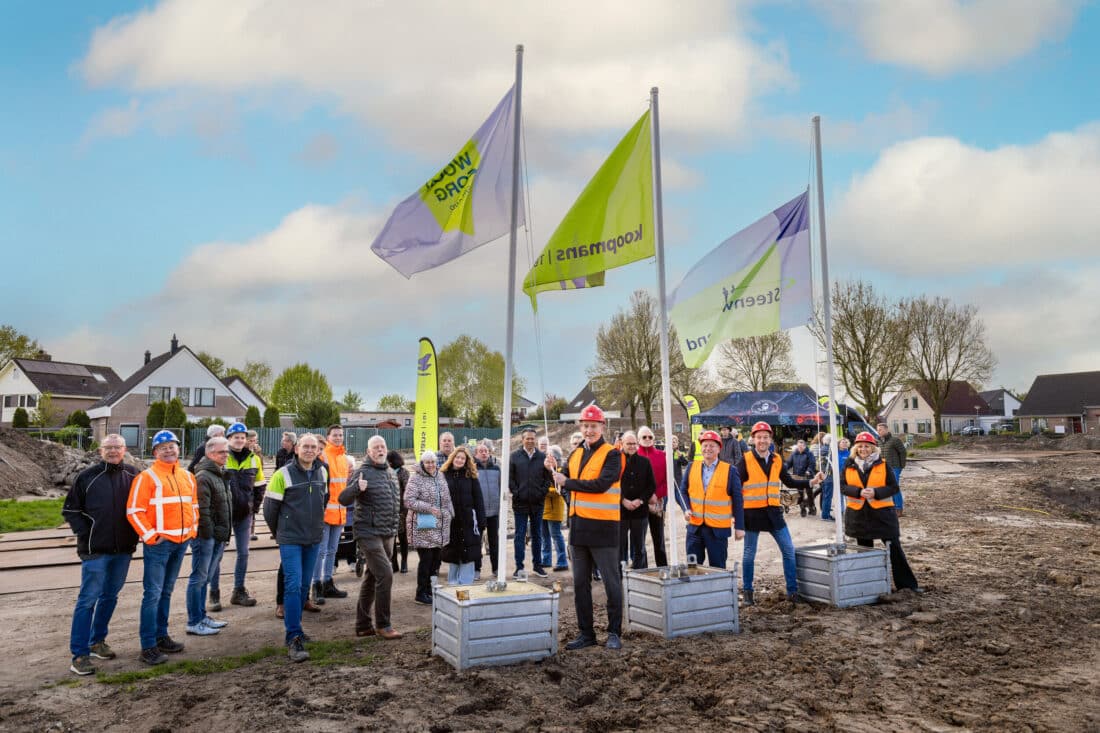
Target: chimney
x=175 y=344
x=148 y=356
x=43 y=356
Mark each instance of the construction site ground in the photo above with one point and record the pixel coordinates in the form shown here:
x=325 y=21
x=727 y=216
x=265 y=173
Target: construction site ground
x=1003 y=537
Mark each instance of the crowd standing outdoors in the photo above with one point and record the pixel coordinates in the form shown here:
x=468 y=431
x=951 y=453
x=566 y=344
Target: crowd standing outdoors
x=446 y=508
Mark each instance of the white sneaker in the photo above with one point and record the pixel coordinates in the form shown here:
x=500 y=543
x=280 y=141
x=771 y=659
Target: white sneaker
x=214 y=623
x=201 y=629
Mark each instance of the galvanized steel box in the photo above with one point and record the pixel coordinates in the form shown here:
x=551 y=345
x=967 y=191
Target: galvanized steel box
x=852 y=576
x=703 y=599
x=486 y=628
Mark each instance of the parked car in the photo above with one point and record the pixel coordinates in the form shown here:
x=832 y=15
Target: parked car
x=1002 y=427
x=971 y=430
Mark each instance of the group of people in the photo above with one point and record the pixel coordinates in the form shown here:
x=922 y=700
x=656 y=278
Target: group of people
x=445 y=509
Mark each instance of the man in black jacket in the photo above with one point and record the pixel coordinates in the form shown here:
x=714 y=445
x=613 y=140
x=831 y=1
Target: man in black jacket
x=376 y=493
x=105 y=542
x=528 y=482
x=215 y=526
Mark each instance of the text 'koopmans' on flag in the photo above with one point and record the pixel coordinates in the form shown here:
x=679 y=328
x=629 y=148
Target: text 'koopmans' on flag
x=754 y=283
x=610 y=225
x=464 y=205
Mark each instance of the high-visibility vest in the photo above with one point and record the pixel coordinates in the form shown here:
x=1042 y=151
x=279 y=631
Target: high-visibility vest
x=603 y=506
x=336 y=513
x=761 y=490
x=710 y=505
x=876 y=479
x=164 y=503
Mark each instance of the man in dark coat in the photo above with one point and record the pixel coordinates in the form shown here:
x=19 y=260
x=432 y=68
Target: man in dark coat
x=376 y=493
x=638 y=486
x=215 y=525
x=96 y=511
x=893 y=452
x=528 y=482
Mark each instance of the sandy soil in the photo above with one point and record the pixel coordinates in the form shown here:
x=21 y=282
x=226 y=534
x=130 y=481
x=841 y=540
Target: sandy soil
x=1006 y=638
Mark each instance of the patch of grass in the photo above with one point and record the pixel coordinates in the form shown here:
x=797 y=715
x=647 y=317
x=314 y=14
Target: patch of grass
x=68 y=682
x=934 y=443
x=342 y=653
x=191 y=666
x=20 y=516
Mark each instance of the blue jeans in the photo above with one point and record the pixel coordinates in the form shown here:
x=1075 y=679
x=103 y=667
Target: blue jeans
x=827 y=499
x=204 y=555
x=460 y=574
x=298 y=562
x=786 y=548
x=551 y=535
x=162 y=566
x=101 y=578
x=705 y=544
x=242 y=533
x=326 y=554
x=899 y=502
x=528 y=518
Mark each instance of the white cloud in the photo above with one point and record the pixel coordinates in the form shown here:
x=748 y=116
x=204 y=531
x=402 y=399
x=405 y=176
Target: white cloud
x=943 y=36
x=416 y=71
x=936 y=206
x=876 y=130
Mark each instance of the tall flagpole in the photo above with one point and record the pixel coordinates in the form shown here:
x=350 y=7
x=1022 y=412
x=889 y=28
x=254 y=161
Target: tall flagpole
x=838 y=516
x=666 y=390
x=506 y=439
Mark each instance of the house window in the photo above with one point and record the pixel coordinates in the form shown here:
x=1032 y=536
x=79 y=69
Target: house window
x=11 y=400
x=131 y=434
x=408 y=422
x=204 y=397
x=31 y=401
x=159 y=394
x=914 y=403
x=678 y=427
x=183 y=394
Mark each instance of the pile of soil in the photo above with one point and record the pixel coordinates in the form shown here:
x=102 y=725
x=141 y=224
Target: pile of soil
x=28 y=465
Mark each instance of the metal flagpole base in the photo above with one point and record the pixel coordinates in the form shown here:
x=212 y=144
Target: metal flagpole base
x=842 y=576
x=681 y=600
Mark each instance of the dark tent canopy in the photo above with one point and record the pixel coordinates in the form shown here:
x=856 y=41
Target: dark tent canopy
x=778 y=409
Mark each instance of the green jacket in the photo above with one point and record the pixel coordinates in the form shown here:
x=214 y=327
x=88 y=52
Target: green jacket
x=294 y=505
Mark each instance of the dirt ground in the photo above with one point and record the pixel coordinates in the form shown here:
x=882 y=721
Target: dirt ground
x=1006 y=638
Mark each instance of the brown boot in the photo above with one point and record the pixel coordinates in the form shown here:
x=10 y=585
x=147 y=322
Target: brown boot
x=311 y=608
x=279 y=613
x=389 y=633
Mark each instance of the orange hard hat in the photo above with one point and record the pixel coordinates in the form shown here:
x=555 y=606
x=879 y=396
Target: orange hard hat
x=760 y=426
x=710 y=435
x=591 y=414
x=866 y=437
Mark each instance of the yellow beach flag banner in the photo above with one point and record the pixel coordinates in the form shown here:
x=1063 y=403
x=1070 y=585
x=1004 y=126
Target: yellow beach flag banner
x=426 y=420
x=464 y=205
x=610 y=225
x=754 y=283
x=692 y=405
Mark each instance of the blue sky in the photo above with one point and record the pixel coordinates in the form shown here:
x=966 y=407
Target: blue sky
x=220 y=173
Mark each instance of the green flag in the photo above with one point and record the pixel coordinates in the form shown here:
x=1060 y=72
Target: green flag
x=610 y=225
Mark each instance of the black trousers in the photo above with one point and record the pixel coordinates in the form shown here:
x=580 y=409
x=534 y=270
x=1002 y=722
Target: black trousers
x=426 y=568
x=492 y=526
x=657 y=533
x=632 y=541
x=899 y=566
x=400 y=557
x=606 y=559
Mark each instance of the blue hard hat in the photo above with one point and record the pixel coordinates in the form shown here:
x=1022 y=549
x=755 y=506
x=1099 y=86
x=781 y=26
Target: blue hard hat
x=165 y=436
x=237 y=427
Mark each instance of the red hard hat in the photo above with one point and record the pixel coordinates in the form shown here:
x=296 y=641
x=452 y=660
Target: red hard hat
x=866 y=437
x=591 y=414
x=710 y=435
x=760 y=426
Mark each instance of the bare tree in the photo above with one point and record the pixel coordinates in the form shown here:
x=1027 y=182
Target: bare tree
x=870 y=343
x=751 y=363
x=628 y=359
x=946 y=343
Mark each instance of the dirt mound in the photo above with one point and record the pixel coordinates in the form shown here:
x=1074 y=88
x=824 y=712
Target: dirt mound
x=38 y=467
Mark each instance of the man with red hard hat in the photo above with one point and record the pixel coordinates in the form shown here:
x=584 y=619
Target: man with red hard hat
x=591 y=477
x=710 y=495
x=762 y=475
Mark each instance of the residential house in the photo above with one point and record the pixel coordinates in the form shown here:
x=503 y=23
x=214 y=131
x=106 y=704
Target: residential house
x=71 y=386
x=910 y=411
x=618 y=416
x=1002 y=402
x=244 y=392
x=1062 y=403
x=373 y=418
x=177 y=372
